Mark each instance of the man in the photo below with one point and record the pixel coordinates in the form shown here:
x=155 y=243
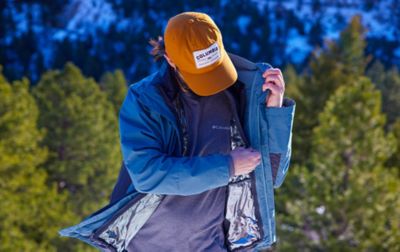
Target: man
x=204 y=141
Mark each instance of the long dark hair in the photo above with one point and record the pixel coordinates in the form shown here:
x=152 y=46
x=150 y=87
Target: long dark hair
x=158 y=50
x=158 y=53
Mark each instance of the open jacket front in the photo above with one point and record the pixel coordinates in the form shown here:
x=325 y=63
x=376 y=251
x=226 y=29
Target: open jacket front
x=150 y=141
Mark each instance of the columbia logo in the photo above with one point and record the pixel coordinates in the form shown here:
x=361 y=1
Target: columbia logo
x=207 y=56
x=218 y=127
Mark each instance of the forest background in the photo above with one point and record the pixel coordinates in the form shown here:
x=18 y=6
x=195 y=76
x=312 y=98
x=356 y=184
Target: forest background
x=66 y=66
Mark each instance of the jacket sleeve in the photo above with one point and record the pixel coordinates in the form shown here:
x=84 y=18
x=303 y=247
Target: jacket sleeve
x=278 y=124
x=154 y=171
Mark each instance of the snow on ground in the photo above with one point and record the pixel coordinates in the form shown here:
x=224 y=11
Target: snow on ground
x=83 y=15
x=82 y=18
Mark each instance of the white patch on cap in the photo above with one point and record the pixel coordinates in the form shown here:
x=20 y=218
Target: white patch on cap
x=207 y=56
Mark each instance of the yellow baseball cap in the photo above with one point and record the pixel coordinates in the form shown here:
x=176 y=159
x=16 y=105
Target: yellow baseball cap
x=194 y=43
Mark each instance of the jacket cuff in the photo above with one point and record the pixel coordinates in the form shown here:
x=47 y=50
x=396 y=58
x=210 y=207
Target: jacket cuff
x=279 y=125
x=288 y=106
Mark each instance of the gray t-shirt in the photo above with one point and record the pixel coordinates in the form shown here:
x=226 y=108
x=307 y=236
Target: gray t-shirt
x=195 y=222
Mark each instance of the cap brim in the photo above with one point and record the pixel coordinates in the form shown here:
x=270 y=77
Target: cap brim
x=214 y=81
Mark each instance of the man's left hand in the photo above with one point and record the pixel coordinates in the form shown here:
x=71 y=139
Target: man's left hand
x=274 y=82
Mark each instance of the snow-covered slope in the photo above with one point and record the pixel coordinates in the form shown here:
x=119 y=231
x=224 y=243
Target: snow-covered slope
x=99 y=35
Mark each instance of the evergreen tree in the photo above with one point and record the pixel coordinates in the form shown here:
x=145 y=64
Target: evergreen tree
x=294 y=82
x=30 y=211
x=341 y=62
x=82 y=137
x=314 y=37
x=389 y=84
x=394 y=161
x=344 y=200
x=114 y=84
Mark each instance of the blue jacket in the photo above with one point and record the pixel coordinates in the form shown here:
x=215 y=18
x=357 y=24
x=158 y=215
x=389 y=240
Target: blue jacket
x=150 y=139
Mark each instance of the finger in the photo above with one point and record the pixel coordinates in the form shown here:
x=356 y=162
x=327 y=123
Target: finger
x=272 y=74
x=274 y=88
x=273 y=78
x=279 y=82
x=248 y=168
x=252 y=158
x=279 y=76
x=275 y=81
x=272 y=71
x=254 y=155
x=255 y=163
x=256 y=158
x=248 y=150
x=252 y=149
x=254 y=166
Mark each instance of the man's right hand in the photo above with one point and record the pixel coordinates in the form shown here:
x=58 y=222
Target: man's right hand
x=245 y=160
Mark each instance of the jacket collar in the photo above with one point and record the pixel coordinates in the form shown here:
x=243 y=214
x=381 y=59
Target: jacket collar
x=161 y=87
